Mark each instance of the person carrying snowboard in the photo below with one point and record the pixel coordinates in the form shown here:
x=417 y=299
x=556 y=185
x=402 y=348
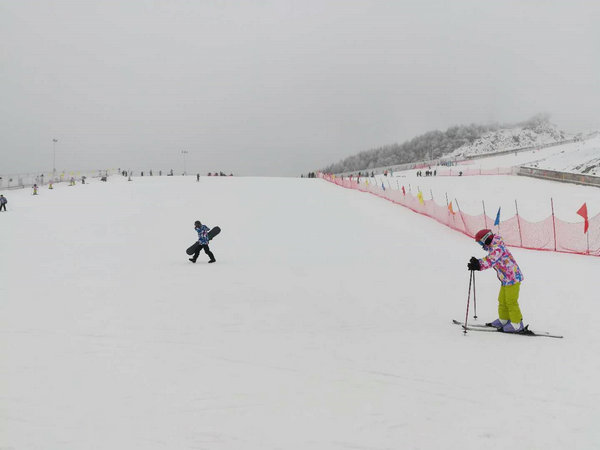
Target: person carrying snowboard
x=202 y=231
x=510 y=319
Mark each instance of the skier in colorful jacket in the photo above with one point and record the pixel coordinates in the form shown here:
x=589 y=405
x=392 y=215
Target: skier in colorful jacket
x=499 y=258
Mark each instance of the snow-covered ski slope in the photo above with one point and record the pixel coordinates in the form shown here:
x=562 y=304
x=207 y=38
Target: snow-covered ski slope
x=325 y=324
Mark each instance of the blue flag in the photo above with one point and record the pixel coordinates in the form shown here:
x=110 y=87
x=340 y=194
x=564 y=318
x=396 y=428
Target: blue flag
x=497 y=221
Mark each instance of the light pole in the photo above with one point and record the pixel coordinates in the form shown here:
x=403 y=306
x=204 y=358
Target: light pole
x=184 y=152
x=54 y=141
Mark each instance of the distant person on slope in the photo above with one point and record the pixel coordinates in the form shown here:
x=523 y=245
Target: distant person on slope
x=3 y=202
x=510 y=319
x=202 y=231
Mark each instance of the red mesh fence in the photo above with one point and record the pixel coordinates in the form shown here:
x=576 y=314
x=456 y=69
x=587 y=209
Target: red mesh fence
x=551 y=234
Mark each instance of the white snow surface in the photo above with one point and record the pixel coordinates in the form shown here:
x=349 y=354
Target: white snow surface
x=582 y=157
x=324 y=324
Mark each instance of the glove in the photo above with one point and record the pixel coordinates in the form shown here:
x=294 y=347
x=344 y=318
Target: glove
x=473 y=264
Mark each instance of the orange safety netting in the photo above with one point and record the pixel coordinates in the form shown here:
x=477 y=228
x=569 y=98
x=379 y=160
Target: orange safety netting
x=550 y=234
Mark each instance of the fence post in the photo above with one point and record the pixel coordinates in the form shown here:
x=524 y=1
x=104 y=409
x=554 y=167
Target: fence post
x=461 y=217
x=553 y=222
x=447 y=200
x=484 y=215
x=588 y=242
x=431 y=192
x=519 y=223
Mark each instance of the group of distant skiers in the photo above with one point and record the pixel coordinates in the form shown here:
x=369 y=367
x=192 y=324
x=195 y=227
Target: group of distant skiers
x=126 y=173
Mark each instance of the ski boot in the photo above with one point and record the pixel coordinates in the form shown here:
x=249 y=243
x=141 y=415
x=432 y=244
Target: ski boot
x=513 y=327
x=498 y=323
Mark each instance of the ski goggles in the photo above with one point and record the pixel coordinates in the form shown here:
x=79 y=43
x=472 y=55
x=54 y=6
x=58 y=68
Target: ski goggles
x=484 y=238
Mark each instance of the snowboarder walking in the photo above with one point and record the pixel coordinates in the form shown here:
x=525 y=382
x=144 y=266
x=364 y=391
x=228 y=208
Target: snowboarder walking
x=202 y=231
x=510 y=319
x=3 y=202
x=35 y=189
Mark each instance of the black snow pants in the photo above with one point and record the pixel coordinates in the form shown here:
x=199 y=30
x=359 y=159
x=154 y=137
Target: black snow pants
x=206 y=250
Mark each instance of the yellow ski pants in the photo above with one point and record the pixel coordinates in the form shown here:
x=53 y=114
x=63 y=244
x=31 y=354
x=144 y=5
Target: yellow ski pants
x=508 y=303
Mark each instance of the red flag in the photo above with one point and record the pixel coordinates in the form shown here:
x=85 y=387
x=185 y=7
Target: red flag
x=403 y=191
x=583 y=213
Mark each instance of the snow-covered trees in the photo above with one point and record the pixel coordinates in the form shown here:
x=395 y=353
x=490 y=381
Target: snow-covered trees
x=430 y=145
x=436 y=144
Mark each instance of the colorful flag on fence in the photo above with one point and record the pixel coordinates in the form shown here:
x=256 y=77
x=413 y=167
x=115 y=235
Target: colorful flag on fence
x=403 y=191
x=583 y=213
x=450 y=208
x=420 y=197
x=497 y=221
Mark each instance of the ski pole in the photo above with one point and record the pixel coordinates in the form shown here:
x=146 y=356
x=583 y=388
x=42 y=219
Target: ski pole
x=468 y=301
x=474 y=297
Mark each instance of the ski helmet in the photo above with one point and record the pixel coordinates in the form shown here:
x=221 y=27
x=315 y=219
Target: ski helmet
x=484 y=237
x=197 y=223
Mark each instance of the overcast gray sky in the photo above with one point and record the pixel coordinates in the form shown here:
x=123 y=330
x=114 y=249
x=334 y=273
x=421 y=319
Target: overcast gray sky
x=279 y=87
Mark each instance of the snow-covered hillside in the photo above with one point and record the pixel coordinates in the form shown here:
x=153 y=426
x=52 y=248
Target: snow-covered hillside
x=511 y=138
x=582 y=158
x=533 y=196
x=324 y=324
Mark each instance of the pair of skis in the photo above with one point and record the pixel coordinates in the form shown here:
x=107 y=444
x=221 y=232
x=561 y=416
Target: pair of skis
x=487 y=328
x=478 y=327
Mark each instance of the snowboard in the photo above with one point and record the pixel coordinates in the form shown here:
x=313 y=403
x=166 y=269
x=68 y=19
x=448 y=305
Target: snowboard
x=211 y=234
x=192 y=248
